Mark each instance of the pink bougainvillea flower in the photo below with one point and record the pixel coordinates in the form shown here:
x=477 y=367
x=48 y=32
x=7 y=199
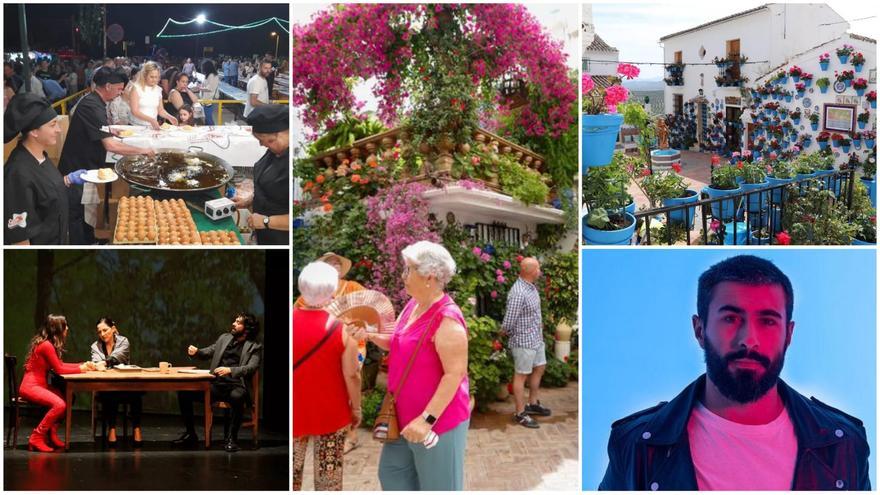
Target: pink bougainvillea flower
x=500 y=279
x=506 y=265
x=499 y=272
x=494 y=295
x=628 y=71
x=614 y=96
x=587 y=83
x=477 y=251
x=485 y=257
x=715 y=226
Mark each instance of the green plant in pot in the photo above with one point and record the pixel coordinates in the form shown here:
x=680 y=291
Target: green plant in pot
x=663 y=185
x=723 y=183
x=754 y=177
x=724 y=178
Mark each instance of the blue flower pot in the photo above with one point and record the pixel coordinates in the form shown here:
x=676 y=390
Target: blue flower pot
x=759 y=241
x=783 y=80
x=788 y=98
x=796 y=121
x=683 y=216
x=599 y=134
x=756 y=154
x=874 y=104
x=796 y=79
x=815 y=126
x=823 y=144
x=843 y=58
x=808 y=83
x=869 y=143
x=824 y=65
x=726 y=209
x=620 y=237
x=862 y=124
x=742 y=233
x=860 y=92
x=859 y=242
x=871 y=185
x=800 y=94
x=848 y=83
x=845 y=148
x=778 y=195
x=824 y=176
x=858 y=68
x=835 y=142
x=756 y=202
x=802 y=186
x=807 y=143
x=823 y=89
x=857 y=143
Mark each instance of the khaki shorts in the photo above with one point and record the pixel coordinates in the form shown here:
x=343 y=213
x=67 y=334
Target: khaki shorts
x=526 y=360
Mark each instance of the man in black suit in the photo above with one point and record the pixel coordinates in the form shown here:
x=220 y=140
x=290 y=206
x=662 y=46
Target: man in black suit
x=235 y=357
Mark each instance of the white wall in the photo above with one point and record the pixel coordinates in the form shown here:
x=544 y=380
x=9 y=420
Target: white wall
x=601 y=63
x=809 y=62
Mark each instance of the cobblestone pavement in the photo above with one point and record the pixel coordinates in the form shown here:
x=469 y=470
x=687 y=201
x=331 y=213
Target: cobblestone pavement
x=501 y=455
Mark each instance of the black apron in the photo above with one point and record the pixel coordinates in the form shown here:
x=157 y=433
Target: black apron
x=272 y=194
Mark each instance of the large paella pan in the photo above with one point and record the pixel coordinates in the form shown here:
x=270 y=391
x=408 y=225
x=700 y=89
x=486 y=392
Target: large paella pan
x=175 y=170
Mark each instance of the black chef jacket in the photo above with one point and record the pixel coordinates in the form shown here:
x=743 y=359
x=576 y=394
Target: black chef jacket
x=35 y=200
x=83 y=147
x=272 y=194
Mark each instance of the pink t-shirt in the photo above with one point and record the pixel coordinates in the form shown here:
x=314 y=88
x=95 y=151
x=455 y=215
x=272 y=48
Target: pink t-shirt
x=734 y=456
x=427 y=370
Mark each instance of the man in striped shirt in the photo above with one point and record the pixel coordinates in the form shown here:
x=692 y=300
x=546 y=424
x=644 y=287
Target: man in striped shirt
x=522 y=323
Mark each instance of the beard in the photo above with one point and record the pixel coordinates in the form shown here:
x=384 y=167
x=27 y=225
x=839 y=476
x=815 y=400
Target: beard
x=742 y=385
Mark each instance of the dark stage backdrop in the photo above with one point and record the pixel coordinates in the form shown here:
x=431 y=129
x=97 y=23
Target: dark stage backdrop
x=161 y=300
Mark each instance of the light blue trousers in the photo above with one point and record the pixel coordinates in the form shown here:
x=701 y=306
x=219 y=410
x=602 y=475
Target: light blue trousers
x=412 y=467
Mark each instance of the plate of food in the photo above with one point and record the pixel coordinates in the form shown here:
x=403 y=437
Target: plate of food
x=100 y=176
x=166 y=126
x=127 y=367
x=194 y=372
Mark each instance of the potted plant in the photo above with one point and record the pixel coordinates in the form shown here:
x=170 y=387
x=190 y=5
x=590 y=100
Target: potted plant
x=721 y=63
x=760 y=236
x=822 y=139
x=844 y=52
x=795 y=117
x=671 y=189
x=845 y=143
x=814 y=121
x=724 y=183
x=858 y=61
x=795 y=73
x=807 y=79
x=781 y=77
x=787 y=95
x=800 y=88
x=600 y=122
x=806 y=140
x=863 y=119
x=872 y=98
x=867 y=224
x=824 y=60
x=845 y=77
x=604 y=191
x=780 y=174
x=754 y=177
x=823 y=83
x=835 y=139
x=857 y=139
x=860 y=85
x=869 y=137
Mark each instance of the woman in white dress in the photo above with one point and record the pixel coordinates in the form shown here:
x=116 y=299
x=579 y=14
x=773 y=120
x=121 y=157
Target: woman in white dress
x=145 y=99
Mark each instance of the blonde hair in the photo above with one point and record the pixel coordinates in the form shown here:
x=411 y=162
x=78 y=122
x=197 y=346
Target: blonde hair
x=141 y=78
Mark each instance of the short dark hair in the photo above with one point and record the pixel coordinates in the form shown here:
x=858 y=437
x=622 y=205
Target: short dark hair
x=744 y=269
x=105 y=75
x=251 y=325
x=106 y=320
x=208 y=68
x=177 y=78
x=265 y=61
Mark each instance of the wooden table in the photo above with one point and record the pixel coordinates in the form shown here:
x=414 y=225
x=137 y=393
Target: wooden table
x=137 y=381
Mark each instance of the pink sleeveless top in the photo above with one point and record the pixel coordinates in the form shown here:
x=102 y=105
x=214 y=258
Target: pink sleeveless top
x=427 y=370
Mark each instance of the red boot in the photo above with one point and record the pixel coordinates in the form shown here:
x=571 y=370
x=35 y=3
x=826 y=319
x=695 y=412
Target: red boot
x=37 y=440
x=53 y=437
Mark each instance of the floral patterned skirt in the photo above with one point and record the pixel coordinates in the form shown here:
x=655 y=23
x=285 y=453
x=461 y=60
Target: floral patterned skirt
x=328 y=460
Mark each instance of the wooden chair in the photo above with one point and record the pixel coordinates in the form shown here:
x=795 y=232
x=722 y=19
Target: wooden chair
x=16 y=403
x=253 y=423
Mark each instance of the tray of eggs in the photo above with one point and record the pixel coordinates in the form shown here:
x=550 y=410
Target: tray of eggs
x=135 y=221
x=176 y=225
x=219 y=237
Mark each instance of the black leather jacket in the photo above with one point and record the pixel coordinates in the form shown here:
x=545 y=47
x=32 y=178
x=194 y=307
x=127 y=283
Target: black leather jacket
x=649 y=450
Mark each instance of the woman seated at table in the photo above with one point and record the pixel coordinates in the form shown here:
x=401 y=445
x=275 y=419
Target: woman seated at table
x=180 y=94
x=145 y=99
x=112 y=349
x=44 y=354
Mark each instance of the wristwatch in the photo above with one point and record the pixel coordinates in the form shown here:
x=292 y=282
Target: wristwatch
x=429 y=419
x=266 y=221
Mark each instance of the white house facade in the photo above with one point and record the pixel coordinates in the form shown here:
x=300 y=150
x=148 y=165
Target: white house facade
x=753 y=42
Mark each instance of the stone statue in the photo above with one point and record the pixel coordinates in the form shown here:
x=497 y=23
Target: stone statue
x=662 y=133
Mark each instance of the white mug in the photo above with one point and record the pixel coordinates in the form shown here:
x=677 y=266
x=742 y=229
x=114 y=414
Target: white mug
x=164 y=367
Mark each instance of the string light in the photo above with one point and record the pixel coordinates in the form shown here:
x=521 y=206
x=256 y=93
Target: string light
x=224 y=27
x=669 y=63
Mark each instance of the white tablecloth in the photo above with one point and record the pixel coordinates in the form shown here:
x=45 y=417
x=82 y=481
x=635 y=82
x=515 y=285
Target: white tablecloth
x=235 y=144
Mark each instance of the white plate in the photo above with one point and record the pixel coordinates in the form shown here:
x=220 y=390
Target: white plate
x=92 y=176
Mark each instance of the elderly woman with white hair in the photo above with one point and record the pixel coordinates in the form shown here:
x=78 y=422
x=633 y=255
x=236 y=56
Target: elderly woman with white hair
x=326 y=380
x=427 y=375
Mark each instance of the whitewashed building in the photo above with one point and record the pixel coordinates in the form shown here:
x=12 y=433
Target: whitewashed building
x=837 y=100
x=769 y=36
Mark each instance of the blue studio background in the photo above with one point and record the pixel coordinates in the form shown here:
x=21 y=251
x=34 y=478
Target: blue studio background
x=638 y=348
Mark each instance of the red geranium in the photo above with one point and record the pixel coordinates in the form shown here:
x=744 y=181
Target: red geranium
x=783 y=238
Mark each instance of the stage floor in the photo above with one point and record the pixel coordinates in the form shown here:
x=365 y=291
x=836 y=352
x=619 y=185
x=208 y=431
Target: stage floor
x=154 y=466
